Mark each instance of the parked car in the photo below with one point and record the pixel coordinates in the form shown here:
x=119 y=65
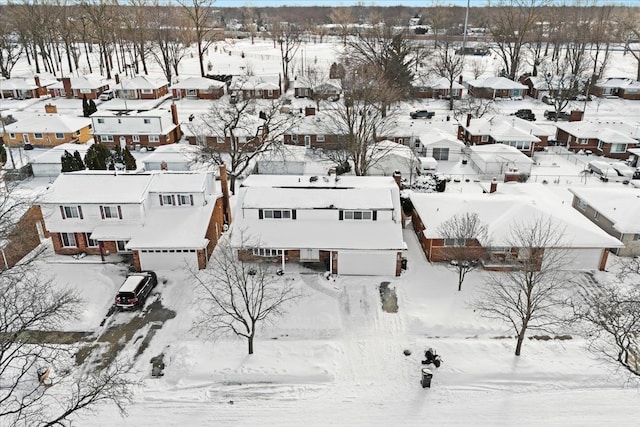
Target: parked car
x=136 y=288
x=616 y=171
x=525 y=114
x=551 y=115
x=547 y=99
x=107 y=95
x=27 y=146
x=419 y=114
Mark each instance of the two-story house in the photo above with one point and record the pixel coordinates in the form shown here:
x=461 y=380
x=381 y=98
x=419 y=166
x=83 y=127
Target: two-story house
x=47 y=130
x=142 y=87
x=198 y=88
x=164 y=220
x=508 y=130
x=608 y=139
x=130 y=128
x=346 y=224
x=260 y=87
x=496 y=87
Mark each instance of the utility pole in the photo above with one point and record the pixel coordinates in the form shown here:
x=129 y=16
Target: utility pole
x=464 y=35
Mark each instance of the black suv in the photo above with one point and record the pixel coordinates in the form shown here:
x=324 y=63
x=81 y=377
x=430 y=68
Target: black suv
x=551 y=115
x=135 y=290
x=421 y=114
x=525 y=114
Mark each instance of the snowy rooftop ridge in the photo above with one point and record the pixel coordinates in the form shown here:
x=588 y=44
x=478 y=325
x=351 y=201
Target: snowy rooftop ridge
x=621 y=206
x=48 y=123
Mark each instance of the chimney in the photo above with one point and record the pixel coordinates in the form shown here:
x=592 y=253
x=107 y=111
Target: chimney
x=468 y=120
x=174 y=113
x=397 y=176
x=460 y=79
x=50 y=108
x=36 y=79
x=117 y=77
x=310 y=111
x=39 y=89
x=226 y=205
x=576 y=115
x=494 y=186
x=66 y=84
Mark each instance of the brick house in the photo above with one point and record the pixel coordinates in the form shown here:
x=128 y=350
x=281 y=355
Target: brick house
x=439 y=88
x=90 y=86
x=585 y=245
x=168 y=220
x=250 y=130
x=496 y=87
x=329 y=89
x=347 y=225
x=314 y=131
x=19 y=88
x=130 y=128
x=509 y=130
x=617 y=87
x=23 y=238
x=198 y=88
x=260 y=87
x=614 y=210
x=47 y=130
x=603 y=139
x=142 y=87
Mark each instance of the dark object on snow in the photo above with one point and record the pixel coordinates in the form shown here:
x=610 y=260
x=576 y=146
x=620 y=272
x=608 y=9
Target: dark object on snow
x=407 y=352
x=403 y=263
x=426 y=378
x=431 y=357
x=279 y=272
x=157 y=365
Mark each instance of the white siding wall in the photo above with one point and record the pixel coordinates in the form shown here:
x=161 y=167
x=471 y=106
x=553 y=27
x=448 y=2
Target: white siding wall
x=154 y=200
x=131 y=214
x=317 y=214
x=132 y=124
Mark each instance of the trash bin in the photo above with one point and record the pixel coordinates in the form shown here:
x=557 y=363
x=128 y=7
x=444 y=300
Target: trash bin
x=426 y=378
x=403 y=263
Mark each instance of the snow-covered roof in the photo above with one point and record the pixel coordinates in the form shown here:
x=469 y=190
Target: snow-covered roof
x=179 y=182
x=496 y=83
x=255 y=82
x=211 y=125
x=315 y=181
x=98 y=187
x=389 y=148
x=198 y=83
x=283 y=153
x=621 y=206
x=506 y=128
x=141 y=82
x=609 y=133
x=17 y=84
x=499 y=152
x=328 y=85
x=158 y=112
x=48 y=123
x=327 y=198
x=437 y=83
x=87 y=82
x=616 y=82
x=172 y=153
x=504 y=212
x=438 y=137
x=54 y=154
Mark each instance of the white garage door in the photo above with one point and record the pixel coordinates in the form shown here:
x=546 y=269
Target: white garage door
x=582 y=259
x=168 y=260
x=367 y=263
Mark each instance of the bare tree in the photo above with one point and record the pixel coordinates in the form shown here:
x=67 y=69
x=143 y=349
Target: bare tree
x=630 y=22
x=511 y=25
x=602 y=36
x=463 y=235
x=478 y=67
x=343 y=18
x=477 y=107
x=439 y=18
x=287 y=36
x=448 y=65
x=565 y=79
x=529 y=294
x=200 y=16
x=10 y=48
x=610 y=314
x=236 y=295
x=244 y=130
x=169 y=39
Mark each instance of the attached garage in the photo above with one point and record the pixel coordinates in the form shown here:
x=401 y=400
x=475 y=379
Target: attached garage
x=367 y=263
x=581 y=259
x=168 y=259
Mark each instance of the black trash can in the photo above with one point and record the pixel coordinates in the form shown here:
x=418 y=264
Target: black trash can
x=403 y=264
x=426 y=378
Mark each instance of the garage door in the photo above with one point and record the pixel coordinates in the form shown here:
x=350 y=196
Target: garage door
x=167 y=260
x=367 y=263
x=581 y=259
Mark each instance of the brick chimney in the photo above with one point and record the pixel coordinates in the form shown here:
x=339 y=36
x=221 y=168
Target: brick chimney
x=310 y=111
x=576 y=115
x=174 y=113
x=66 y=84
x=50 y=108
x=468 y=120
x=397 y=176
x=494 y=186
x=36 y=79
x=226 y=205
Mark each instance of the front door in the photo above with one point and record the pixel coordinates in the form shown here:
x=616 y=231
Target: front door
x=123 y=142
x=25 y=138
x=307 y=141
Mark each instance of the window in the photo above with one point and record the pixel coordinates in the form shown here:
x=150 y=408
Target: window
x=68 y=240
x=520 y=145
x=37 y=135
x=294 y=138
x=258 y=92
x=595 y=216
x=618 y=148
x=276 y=214
x=192 y=92
x=270 y=92
x=106 y=138
x=111 y=212
x=12 y=135
x=71 y=212
x=600 y=145
x=100 y=121
x=135 y=138
x=484 y=138
x=320 y=138
x=582 y=141
x=185 y=199
x=59 y=135
x=400 y=141
x=147 y=91
x=358 y=215
x=267 y=252
x=582 y=205
x=154 y=138
x=121 y=245
x=441 y=153
x=455 y=242
x=147 y=121
x=90 y=242
x=166 y=199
